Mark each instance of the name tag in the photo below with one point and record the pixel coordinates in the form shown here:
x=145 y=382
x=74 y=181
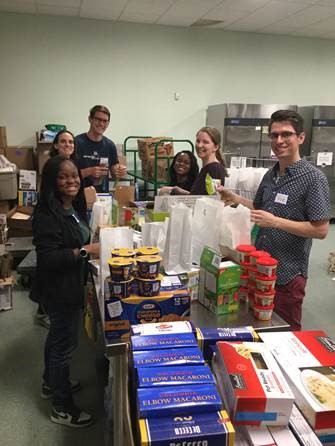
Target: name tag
x=281 y=198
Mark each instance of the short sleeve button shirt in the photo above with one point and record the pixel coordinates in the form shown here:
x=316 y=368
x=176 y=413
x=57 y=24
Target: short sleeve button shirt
x=301 y=194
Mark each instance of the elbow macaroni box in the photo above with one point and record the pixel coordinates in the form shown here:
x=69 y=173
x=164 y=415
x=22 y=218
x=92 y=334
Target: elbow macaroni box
x=163 y=341
x=218 y=283
x=208 y=337
x=182 y=400
x=159 y=328
x=174 y=375
x=253 y=384
x=165 y=357
x=307 y=359
x=205 y=429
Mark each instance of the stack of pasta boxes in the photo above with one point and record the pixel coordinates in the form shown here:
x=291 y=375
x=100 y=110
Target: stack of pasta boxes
x=258 y=279
x=177 y=400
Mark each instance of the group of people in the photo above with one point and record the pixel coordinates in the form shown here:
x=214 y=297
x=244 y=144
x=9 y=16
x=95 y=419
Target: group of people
x=291 y=207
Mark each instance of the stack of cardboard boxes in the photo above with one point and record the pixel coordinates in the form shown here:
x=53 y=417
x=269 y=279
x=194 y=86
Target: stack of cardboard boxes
x=146 y=153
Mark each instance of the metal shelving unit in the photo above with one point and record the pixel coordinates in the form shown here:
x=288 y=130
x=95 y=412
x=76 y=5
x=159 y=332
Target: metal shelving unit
x=137 y=173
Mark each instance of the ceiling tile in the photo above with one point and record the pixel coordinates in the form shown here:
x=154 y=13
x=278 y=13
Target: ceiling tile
x=324 y=25
x=57 y=10
x=148 y=6
x=27 y=7
x=192 y=8
x=99 y=13
x=325 y=2
x=240 y=5
x=244 y=27
x=227 y=17
x=138 y=18
x=104 y=4
x=172 y=20
x=68 y=3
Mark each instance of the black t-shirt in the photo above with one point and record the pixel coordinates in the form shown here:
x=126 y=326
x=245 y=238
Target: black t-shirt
x=215 y=170
x=186 y=185
x=90 y=154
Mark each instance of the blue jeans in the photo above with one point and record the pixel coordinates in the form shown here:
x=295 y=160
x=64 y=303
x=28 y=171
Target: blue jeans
x=60 y=344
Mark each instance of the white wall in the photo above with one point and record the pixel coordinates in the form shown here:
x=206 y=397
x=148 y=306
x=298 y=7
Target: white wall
x=53 y=69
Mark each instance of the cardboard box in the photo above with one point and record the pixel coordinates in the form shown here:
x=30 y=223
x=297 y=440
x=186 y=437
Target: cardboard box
x=218 y=283
x=302 y=429
x=160 y=328
x=157 y=342
x=4 y=207
x=148 y=169
x=307 y=359
x=124 y=194
x=121 y=313
x=252 y=384
x=21 y=156
x=19 y=221
x=212 y=428
x=146 y=147
x=3 y=137
x=43 y=154
x=8 y=186
x=27 y=180
x=90 y=195
x=6 y=298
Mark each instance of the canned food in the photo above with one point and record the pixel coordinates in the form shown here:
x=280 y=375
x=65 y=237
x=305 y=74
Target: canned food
x=147 y=251
x=148 y=266
x=121 y=290
x=149 y=287
x=120 y=268
x=123 y=252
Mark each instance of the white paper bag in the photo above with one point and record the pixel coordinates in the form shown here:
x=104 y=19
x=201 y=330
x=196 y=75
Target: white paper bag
x=101 y=215
x=154 y=234
x=235 y=226
x=205 y=227
x=177 y=256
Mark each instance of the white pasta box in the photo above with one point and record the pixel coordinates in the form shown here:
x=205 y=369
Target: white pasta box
x=302 y=430
x=307 y=359
x=27 y=180
x=6 y=300
x=270 y=436
x=159 y=328
x=252 y=384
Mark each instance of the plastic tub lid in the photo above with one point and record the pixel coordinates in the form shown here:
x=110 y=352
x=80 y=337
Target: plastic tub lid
x=258 y=254
x=262 y=308
x=245 y=248
x=265 y=293
x=264 y=278
x=267 y=261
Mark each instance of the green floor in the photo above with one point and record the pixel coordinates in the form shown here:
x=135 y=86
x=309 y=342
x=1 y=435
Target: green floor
x=24 y=415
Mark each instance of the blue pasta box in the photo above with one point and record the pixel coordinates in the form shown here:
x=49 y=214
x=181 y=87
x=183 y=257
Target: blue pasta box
x=207 y=337
x=165 y=357
x=163 y=341
x=182 y=400
x=174 y=375
x=210 y=429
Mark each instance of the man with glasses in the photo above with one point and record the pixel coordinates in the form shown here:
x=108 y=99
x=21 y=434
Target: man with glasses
x=97 y=154
x=291 y=207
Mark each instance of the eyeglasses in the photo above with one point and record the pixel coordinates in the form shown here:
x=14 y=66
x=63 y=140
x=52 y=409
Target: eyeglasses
x=283 y=135
x=102 y=121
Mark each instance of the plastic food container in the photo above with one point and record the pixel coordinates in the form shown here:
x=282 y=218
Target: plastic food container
x=147 y=251
x=244 y=280
x=264 y=299
x=263 y=313
x=254 y=255
x=252 y=284
x=251 y=299
x=149 y=287
x=244 y=252
x=121 y=289
x=265 y=283
x=243 y=294
x=267 y=266
x=252 y=272
x=148 y=266
x=245 y=267
x=120 y=268
x=123 y=252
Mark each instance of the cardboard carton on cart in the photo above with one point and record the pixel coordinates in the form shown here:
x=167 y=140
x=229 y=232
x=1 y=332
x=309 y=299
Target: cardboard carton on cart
x=252 y=384
x=307 y=359
x=218 y=283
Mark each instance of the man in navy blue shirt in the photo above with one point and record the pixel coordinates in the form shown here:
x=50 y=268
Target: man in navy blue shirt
x=291 y=207
x=97 y=155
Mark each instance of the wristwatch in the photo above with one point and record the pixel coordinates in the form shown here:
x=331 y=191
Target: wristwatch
x=83 y=253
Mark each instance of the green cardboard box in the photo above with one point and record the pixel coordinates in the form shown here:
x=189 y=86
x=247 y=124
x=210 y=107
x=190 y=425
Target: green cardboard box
x=218 y=283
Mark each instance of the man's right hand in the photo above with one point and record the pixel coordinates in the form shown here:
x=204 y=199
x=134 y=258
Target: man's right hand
x=98 y=171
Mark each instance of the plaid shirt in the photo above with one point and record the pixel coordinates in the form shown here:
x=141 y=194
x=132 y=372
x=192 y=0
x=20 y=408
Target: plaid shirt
x=301 y=194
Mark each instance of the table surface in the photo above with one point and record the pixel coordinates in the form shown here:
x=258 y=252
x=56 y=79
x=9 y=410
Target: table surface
x=19 y=246
x=28 y=264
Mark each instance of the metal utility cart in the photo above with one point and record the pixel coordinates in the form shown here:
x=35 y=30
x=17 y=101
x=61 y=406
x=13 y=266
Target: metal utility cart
x=137 y=173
